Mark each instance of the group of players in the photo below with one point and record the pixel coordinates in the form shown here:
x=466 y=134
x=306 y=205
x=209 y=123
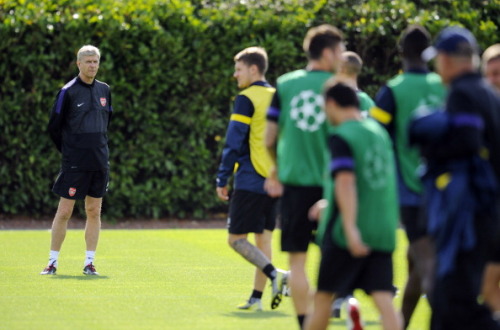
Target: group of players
x=340 y=169
x=344 y=170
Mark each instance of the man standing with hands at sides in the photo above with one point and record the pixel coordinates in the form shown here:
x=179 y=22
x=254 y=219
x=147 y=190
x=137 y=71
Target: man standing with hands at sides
x=296 y=137
x=396 y=102
x=251 y=209
x=78 y=127
x=358 y=239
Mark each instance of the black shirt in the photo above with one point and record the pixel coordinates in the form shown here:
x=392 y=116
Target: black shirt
x=79 y=123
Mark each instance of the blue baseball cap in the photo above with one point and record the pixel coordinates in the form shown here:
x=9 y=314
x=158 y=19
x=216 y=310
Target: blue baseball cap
x=453 y=40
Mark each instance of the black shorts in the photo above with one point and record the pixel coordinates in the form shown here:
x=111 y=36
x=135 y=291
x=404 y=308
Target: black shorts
x=251 y=212
x=296 y=228
x=340 y=272
x=414 y=222
x=78 y=185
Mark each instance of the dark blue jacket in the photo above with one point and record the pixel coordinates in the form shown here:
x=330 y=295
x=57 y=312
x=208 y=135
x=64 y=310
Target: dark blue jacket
x=79 y=123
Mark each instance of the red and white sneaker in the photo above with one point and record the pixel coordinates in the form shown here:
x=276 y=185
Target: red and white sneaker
x=90 y=270
x=353 y=315
x=49 y=270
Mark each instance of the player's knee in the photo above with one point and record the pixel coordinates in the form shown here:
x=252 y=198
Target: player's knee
x=235 y=241
x=93 y=211
x=63 y=214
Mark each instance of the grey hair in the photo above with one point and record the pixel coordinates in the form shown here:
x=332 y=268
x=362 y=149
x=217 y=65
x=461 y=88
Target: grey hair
x=88 y=50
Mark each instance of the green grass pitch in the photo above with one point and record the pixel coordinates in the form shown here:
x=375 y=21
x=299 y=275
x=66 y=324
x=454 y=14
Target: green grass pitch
x=151 y=279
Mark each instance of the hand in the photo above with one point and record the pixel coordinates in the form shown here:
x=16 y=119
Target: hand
x=222 y=193
x=273 y=187
x=355 y=245
x=317 y=209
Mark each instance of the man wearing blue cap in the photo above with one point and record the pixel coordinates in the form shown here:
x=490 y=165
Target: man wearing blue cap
x=462 y=219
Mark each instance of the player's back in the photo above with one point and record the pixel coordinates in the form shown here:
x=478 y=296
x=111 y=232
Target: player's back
x=373 y=159
x=303 y=129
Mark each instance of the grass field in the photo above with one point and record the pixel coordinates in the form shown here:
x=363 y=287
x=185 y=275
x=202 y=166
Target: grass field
x=151 y=279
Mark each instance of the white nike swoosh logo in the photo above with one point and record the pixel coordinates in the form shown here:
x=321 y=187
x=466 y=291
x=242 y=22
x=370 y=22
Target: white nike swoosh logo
x=79 y=105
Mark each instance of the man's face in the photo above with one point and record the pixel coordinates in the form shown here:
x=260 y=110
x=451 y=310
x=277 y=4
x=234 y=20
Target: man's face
x=89 y=65
x=443 y=63
x=243 y=74
x=492 y=72
x=332 y=111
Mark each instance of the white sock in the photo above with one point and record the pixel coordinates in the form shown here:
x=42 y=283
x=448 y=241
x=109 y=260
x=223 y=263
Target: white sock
x=53 y=256
x=89 y=257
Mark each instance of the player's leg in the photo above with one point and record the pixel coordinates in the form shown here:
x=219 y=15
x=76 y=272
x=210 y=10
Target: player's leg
x=389 y=317
x=93 y=224
x=67 y=186
x=98 y=186
x=58 y=233
x=318 y=319
x=299 y=282
x=263 y=236
x=296 y=235
x=417 y=260
x=245 y=211
x=60 y=223
x=263 y=243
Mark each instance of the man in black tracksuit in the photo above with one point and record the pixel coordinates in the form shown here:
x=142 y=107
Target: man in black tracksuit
x=78 y=126
x=465 y=167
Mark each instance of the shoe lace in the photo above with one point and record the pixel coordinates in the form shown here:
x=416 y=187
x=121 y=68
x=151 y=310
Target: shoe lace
x=91 y=267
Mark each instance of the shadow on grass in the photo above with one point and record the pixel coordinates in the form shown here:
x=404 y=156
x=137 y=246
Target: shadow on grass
x=256 y=314
x=79 y=277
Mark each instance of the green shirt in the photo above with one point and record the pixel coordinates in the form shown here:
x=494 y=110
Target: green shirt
x=365 y=102
x=412 y=91
x=303 y=129
x=372 y=162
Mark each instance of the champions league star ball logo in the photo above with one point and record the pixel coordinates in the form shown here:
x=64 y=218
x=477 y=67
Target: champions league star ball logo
x=375 y=170
x=307 y=111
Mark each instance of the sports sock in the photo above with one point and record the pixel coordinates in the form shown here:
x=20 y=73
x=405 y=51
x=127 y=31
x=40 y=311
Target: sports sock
x=53 y=256
x=256 y=294
x=89 y=258
x=301 y=318
x=270 y=271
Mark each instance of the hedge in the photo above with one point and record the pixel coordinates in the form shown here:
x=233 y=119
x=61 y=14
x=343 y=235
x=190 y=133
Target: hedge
x=169 y=64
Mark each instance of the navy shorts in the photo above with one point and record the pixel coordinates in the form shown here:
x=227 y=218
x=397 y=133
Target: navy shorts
x=340 y=272
x=251 y=212
x=297 y=231
x=78 y=185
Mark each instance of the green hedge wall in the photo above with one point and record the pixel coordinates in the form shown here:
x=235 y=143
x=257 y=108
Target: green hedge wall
x=169 y=64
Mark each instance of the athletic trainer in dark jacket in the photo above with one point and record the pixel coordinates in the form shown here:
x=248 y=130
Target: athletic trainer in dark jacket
x=78 y=126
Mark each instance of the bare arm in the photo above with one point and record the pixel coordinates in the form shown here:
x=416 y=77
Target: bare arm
x=346 y=196
x=271 y=139
x=272 y=185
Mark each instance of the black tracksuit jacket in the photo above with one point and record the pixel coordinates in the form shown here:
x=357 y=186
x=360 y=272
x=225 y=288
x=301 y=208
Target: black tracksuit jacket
x=79 y=123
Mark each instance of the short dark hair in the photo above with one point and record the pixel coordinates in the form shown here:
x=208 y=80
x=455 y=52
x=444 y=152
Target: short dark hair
x=253 y=56
x=341 y=93
x=414 y=40
x=319 y=38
